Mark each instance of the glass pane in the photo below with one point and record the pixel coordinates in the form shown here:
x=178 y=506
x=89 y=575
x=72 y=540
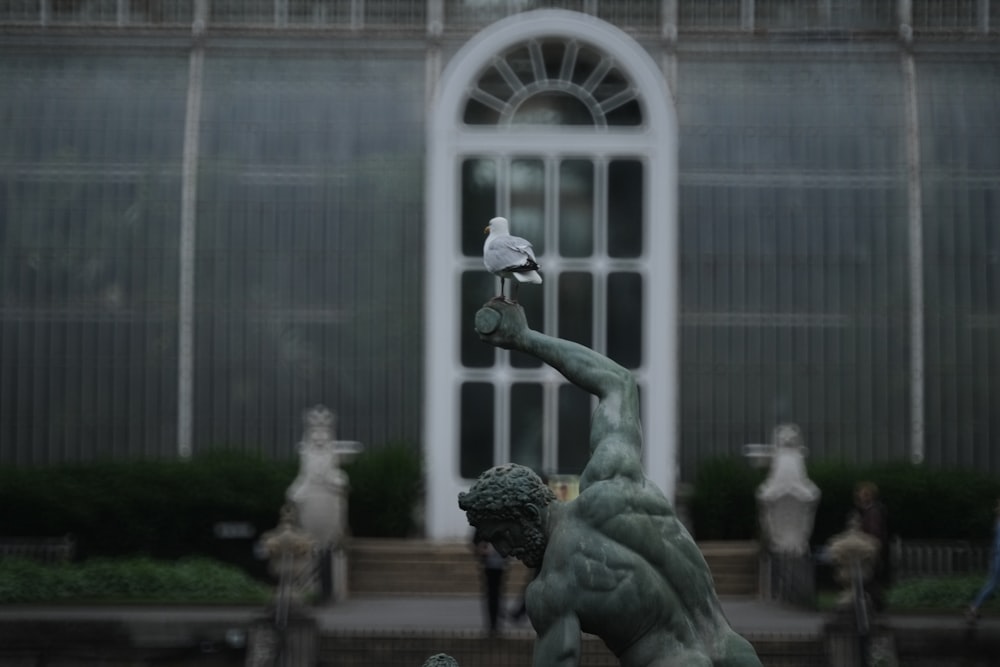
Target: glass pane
x=494 y=84
x=625 y=318
x=629 y=113
x=478 y=287
x=479 y=202
x=476 y=444
x=526 y=425
x=519 y=60
x=625 y=208
x=527 y=202
x=552 y=108
x=576 y=208
x=574 y=429
x=88 y=253
x=477 y=113
x=576 y=303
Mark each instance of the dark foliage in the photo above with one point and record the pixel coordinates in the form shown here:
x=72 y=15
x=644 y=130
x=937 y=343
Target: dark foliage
x=922 y=502
x=386 y=485
x=170 y=509
x=159 y=509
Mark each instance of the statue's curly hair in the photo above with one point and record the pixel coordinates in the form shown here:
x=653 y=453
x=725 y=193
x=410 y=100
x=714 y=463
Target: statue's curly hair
x=441 y=660
x=503 y=492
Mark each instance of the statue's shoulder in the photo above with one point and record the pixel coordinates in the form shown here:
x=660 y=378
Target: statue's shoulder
x=624 y=493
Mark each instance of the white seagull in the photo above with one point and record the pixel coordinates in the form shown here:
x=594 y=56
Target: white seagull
x=509 y=256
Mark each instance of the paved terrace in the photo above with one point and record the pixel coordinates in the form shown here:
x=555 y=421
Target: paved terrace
x=460 y=613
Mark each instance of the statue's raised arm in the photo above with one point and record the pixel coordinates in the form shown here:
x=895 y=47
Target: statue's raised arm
x=615 y=430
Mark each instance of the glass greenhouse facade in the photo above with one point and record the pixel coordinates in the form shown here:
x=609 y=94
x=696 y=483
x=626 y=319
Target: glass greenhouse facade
x=213 y=215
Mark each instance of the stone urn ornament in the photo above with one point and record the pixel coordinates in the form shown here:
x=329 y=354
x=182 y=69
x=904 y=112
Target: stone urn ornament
x=853 y=553
x=289 y=551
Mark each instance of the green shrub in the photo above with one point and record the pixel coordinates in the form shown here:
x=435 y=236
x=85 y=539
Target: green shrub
x=922 y=502
x=723 y=505
x=192 y=580
x=160 y=509
x=386 y=485
x=937 y=593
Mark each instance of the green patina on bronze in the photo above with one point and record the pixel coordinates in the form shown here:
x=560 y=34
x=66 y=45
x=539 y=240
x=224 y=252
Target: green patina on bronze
x=615 y=561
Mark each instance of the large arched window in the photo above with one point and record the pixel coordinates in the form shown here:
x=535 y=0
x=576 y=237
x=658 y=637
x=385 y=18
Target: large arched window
x=560 y=123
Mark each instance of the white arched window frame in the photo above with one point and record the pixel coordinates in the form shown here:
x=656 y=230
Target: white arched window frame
x=449 y=141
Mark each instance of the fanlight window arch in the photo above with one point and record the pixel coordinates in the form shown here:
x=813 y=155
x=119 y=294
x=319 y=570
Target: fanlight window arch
x=554 y=82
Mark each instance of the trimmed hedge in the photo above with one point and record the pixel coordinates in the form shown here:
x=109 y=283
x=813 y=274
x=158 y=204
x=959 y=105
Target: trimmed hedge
x=922 y=502
x=160 y=509
x=386 y=487
x=169 y=509
x=191 y=580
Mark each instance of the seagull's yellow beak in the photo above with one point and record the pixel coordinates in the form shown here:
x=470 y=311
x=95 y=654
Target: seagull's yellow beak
x=486 y=229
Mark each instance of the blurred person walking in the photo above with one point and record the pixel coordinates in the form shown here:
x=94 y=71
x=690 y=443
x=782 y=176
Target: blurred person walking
x=493 y=568
x=875 y=522
x=993 y=578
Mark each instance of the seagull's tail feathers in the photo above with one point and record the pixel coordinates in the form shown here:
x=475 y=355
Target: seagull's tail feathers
x=528 y=277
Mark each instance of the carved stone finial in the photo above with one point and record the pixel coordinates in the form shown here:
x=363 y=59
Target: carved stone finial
x=288 y=547
x=847 y=549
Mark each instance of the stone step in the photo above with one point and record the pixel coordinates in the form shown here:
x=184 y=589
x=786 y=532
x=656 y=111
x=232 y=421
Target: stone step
x=734 y=566
x=425 y=567
x=411 y=649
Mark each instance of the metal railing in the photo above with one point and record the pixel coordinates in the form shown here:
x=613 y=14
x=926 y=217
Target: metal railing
x=663 y=17
x=41 y=549
x=931 y=558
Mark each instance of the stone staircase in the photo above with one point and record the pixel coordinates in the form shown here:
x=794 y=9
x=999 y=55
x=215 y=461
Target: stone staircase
x=734 y=566
x=424 y=567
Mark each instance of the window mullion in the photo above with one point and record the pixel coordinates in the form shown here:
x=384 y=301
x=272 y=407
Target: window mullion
x=599 y=324
x=501 y=421
x=503 y=186
x=550 y=440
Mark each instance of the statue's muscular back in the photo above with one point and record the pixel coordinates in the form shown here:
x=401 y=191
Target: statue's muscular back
x=622 y=562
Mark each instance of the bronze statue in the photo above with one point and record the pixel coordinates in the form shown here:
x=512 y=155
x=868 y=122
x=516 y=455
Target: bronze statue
x=615 y=561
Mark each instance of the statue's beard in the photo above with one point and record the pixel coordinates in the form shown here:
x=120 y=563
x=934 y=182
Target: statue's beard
x=531 y=552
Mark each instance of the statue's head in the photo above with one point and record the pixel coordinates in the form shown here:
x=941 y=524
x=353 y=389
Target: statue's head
x=507 y=505
x=788 y=435
x=865 y=493
x=441 y=660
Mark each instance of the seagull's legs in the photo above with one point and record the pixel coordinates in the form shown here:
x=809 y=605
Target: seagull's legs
x=502 y=296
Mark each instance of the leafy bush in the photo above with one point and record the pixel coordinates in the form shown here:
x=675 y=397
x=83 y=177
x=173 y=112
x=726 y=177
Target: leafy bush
x=169 y=509
x=723 y=506
x=128 y=580
x=386 y=485
x=161 y=509
x=922 y=502
x=937 y=593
